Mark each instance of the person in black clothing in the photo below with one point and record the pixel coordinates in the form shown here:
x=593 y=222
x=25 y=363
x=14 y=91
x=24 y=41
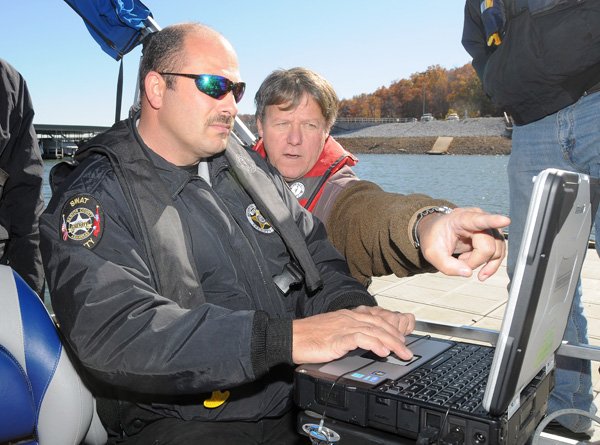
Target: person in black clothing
x=539 y=60
x=21 y=171
x=168 y=271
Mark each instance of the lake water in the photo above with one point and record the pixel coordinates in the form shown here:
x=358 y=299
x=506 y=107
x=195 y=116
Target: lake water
x=465 y=180
x=479 y=181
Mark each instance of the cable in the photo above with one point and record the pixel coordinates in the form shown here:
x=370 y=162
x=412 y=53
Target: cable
x=322 y=435
x=335 y=382
x=561 y=412
x=444 y=420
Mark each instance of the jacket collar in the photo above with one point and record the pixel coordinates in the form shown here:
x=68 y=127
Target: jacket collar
x=174 y=177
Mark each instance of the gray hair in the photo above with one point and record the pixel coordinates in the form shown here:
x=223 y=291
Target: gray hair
x=283 y=86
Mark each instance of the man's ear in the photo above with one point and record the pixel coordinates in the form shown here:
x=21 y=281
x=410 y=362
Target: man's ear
x=155 y=87
x=259 y=127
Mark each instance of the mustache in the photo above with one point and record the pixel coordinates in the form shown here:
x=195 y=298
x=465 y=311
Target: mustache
x=221 y=119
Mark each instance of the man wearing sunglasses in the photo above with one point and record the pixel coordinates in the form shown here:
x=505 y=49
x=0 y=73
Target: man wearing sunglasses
x=185 y=277
x=379 y=233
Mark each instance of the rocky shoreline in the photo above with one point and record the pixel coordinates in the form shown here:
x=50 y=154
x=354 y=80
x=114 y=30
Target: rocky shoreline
x=473 y=136
x=461 y=145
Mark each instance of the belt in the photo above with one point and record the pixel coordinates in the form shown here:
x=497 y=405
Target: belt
x=591 y=90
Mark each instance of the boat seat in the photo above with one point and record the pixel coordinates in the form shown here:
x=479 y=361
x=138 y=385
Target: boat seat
x=42 y=398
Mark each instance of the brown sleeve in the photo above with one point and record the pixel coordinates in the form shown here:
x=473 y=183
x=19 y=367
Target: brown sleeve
x=371 y=228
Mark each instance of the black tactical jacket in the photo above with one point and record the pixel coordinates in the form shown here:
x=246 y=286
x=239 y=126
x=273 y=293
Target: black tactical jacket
x=21 y=172
x=166 y=354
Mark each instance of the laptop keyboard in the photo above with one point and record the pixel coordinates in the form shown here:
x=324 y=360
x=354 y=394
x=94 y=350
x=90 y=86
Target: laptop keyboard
x=455 y=379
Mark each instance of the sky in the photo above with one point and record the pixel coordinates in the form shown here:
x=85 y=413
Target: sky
x=357 y=45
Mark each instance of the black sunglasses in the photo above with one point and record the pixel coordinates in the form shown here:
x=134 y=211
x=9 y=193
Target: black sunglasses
x=215 y=86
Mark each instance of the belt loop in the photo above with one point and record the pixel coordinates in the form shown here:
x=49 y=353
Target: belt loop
x=591 y=90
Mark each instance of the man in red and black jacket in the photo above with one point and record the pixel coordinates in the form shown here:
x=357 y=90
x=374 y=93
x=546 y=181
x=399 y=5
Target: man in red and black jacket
x=379 y=233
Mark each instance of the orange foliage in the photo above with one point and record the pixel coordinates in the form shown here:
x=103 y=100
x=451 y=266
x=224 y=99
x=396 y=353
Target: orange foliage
x=435 y=91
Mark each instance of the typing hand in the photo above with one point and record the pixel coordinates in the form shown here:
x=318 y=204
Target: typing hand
x=470 y=233
x=325 y=337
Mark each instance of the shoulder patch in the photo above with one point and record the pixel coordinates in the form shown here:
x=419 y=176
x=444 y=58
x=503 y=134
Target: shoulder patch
x=82 y=221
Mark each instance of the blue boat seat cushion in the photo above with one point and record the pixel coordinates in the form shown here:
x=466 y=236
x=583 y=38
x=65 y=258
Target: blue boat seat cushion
x=16 y=400
x=41 y=394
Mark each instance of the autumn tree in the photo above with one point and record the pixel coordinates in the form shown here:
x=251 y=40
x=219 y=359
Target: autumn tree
x=435 y=91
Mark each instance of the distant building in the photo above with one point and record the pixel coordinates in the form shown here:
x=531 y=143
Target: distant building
x=57 y=141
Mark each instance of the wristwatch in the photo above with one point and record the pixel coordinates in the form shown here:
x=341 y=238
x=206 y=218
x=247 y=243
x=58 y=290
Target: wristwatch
x=428 y=211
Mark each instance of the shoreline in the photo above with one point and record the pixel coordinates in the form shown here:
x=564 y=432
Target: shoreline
x=461 y=145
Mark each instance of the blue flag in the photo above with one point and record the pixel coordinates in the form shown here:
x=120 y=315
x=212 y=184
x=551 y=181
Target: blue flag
x=115 y=24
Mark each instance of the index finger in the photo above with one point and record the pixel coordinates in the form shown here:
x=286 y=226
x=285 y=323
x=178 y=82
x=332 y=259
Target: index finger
x=479 y=222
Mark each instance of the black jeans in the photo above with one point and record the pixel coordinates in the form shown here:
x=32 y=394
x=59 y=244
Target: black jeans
x=276 y=431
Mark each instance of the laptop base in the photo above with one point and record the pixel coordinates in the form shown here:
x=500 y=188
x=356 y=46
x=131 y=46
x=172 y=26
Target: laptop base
x=360 y=417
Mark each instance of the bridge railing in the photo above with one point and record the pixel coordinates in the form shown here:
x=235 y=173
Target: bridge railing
x=374 y=120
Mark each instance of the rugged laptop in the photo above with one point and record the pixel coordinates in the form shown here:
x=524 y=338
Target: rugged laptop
x=468 y=393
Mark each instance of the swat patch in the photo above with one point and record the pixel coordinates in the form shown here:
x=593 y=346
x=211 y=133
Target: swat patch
x=257 y=220
x=82 y=221
x=297 y=189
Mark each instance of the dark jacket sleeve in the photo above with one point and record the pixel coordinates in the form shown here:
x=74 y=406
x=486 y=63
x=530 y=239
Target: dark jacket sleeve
x=123 y=331
x=20 y=199
x=473 y=38
x=372 y=229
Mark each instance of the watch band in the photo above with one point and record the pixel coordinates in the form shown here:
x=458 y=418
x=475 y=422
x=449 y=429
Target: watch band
x=428 y=211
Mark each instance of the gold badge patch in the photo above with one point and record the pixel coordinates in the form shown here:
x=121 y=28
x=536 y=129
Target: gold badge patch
x=82 y=221
x=257 y=220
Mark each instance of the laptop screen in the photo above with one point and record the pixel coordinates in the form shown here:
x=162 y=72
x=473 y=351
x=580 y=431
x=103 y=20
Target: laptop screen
x=547 y=270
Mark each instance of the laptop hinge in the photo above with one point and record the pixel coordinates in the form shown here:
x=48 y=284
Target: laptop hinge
x=515 y=403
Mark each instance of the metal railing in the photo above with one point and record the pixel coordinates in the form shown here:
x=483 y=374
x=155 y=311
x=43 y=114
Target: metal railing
x=382 y=120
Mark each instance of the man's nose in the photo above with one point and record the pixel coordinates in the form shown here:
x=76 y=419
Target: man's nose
x=294 y=135
x=229 y=104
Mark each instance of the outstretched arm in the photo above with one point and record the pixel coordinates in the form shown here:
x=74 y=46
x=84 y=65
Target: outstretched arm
x=371 y=228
